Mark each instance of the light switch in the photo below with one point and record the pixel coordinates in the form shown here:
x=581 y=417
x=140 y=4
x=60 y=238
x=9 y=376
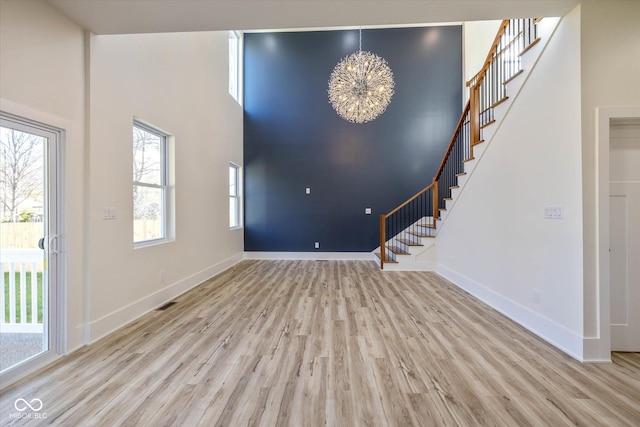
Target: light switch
x=554 y=212
x=308 y=190
x=108 y=213
x=367 y=211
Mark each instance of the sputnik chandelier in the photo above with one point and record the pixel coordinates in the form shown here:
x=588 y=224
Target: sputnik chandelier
x=361 y=86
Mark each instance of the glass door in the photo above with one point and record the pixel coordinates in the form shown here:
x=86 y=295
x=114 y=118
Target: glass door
x=29 y=243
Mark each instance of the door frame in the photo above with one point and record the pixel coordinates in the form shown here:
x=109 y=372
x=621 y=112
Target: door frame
x=56 y=328
x=603 y=126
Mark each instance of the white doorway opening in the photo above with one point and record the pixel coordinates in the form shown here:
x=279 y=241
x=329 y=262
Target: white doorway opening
x=617 y=288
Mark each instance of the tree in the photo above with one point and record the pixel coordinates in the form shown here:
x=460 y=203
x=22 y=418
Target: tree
x=20 y=170
x=146 y=170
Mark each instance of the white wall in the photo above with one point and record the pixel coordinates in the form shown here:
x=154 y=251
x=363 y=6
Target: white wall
x=478 y=37
x=42 y=78
x=495 y=242
x=92 y=88
x=610 y=54
x=179 y=83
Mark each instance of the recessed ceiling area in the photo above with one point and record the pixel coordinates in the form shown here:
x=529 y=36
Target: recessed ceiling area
x=156 y=16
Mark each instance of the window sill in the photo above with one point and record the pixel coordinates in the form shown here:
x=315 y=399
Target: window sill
x=149 y=243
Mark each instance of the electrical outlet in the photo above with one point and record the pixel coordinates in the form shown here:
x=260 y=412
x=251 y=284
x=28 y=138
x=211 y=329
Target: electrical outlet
x=307 y=190
x=367 y=211
x=317 y=245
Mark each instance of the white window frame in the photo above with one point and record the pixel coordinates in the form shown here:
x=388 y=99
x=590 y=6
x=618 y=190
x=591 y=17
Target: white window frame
x=235 y=65
x=164 y=184
x=235 y=199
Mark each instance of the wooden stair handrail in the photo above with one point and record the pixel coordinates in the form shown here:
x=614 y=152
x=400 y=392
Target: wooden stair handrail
x=477 y=78
x=453 y=140
x=411 y=199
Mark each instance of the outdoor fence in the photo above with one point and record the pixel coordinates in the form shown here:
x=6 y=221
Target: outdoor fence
x=20 y=235
x=22 y=293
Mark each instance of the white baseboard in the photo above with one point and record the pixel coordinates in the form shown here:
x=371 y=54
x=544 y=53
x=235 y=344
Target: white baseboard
x=99 y=328
x=317 y=256
x=555 y=334
x=596 y=350
x=75 y=339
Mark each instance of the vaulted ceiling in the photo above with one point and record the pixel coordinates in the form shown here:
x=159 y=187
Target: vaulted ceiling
x=150 y=16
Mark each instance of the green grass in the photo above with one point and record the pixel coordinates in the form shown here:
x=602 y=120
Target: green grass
x=17 y=289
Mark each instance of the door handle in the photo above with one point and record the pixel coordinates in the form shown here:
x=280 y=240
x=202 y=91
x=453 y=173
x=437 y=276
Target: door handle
x=53 y=244
x=41 y=243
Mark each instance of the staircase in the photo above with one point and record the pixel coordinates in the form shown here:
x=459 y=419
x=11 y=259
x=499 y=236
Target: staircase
x=408 y=233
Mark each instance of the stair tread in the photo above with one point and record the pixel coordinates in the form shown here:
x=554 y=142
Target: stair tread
x=499 y=101
x=388 y=261
x=489 y=123
x=461 y=174
x=419 y=234
x=532 y=44
x=409 y=242
x=517 y=73
x=426 y=225
x=397 y=250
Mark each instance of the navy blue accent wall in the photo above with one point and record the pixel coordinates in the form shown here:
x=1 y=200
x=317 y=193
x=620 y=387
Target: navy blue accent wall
x=293 y=139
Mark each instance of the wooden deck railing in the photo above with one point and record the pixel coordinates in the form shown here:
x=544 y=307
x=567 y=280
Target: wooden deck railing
x=418 y=215
x=22 y=306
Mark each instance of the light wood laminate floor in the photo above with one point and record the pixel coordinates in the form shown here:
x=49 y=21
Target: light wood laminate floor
x=336 y=343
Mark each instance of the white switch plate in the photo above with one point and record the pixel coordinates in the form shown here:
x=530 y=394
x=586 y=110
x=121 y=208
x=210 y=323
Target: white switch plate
x=367 y=211
x=308 y=190
x=554 y=212
x=317 y=245
x=108 y=213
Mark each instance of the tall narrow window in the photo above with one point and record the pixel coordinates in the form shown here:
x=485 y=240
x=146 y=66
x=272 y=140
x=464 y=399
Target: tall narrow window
x=234 y=196
x=149 y=184
x=235 y=65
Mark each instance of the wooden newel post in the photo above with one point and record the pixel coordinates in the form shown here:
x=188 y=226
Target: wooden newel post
x=383 y=251
x=474 y=114
x=436 y=212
